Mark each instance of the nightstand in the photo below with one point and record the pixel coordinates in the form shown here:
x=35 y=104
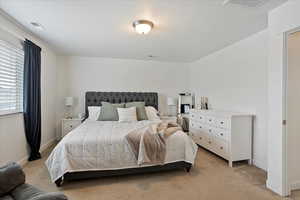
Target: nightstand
x=68 y=125
x=169 y=118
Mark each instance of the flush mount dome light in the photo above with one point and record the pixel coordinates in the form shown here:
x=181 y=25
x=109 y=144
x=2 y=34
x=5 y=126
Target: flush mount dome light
x=142 y=26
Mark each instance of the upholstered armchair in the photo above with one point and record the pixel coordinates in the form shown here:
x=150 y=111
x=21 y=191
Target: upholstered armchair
x=13 y=186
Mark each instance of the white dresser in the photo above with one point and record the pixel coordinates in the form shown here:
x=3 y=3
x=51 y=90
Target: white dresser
x=227 y=134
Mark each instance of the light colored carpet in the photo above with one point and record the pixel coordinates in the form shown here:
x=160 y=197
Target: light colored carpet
x=209 y=179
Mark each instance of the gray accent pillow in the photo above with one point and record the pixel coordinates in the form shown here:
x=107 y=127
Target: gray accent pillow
x=140 y=109
x=109 y=111
x=11 y=176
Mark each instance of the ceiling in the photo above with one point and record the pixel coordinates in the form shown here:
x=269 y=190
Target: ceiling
x=184 y=30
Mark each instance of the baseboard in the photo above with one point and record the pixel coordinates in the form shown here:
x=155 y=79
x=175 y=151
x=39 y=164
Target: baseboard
x=44 y=147
x=295 y=186
x=23 y=161
x=259 y=164
x=47 y=145
x=274 y=188
x=277 y=188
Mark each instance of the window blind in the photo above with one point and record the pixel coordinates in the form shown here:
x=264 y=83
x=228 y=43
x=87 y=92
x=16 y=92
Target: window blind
x=11 y=78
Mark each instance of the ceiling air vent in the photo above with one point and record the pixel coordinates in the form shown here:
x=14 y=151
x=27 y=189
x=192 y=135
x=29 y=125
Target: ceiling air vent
x=248 y=3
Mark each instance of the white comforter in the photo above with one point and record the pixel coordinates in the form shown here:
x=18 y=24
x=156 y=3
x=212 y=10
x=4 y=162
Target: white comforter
x=99 y=145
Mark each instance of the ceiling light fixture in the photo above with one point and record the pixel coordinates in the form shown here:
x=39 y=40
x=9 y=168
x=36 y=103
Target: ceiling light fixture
x=142 y=26
x=37 y=25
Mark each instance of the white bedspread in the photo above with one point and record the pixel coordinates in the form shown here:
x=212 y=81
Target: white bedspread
x=99 y=145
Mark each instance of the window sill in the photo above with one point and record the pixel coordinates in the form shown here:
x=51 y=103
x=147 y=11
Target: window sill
x=8 y=115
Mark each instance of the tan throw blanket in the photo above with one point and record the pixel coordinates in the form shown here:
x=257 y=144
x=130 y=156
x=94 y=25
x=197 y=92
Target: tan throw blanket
x=149 y=143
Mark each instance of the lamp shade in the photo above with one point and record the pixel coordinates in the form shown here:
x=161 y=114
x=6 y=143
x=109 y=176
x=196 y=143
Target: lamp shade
x=171 y=101
x=69 y=101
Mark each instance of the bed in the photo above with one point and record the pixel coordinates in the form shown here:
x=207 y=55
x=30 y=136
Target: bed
x=98 y=148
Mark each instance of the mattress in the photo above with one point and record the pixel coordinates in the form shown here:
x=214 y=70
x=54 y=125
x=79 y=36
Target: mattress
x=101 y=145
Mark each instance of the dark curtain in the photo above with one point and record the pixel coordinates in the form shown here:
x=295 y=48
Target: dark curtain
x=32 y=98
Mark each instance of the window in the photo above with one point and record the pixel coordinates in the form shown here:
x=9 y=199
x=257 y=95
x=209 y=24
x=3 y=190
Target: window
x=11 y=78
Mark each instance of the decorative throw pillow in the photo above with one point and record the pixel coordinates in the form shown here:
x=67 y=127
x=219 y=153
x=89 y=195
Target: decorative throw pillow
x=94 y=113
x=152 y=113
x=109 y=111
x=127 y=114
x=140 y=109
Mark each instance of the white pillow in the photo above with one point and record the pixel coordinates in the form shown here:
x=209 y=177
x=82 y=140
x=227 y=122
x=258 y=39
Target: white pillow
x=127 y=114
x=152 y=113
x=94 y=112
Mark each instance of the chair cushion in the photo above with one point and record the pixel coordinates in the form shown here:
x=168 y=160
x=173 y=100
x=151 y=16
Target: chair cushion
x=7 y=197
x=29 y=192
x=11 y=176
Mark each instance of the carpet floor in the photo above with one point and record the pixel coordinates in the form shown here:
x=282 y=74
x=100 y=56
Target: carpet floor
x=209 y=179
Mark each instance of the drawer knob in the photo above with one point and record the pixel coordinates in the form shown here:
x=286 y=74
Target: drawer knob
x=209 y=142
x=200 y=138
x=200 y=126
x=210 y=120
x=221 y=148
x=222 y=122
x=200 y=117
x=222 y=134
x=209 y=130
x=71 y=126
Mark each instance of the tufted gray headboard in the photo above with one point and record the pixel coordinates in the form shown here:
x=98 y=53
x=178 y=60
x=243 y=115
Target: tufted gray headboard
x=95 y=98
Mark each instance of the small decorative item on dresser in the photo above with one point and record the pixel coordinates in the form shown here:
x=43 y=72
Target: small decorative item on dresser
x=204 y=103
x=68 y=125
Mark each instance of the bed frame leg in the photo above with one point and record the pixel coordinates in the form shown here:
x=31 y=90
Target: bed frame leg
x=188 y=169
x=59 y=182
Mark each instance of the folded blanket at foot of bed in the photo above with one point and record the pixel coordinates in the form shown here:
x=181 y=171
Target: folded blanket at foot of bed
x=149 y=143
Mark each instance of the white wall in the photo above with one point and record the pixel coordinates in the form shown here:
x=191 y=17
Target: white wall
x=13 y=145
x=81 y=74
x=282 y=19
x=235 y=78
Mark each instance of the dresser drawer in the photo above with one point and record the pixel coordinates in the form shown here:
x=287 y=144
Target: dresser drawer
x=198 y=126
x=69 y=125
x=210 y=120
x=223 y=123
x=67 y=129
x=193 y=115
x=221 y=147
x=201 y=138
x=221 y=134
x=197 y=117
x=210 y=130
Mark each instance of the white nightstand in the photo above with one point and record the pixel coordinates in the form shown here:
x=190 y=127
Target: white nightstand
x=68 y=125
x=169 y=118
